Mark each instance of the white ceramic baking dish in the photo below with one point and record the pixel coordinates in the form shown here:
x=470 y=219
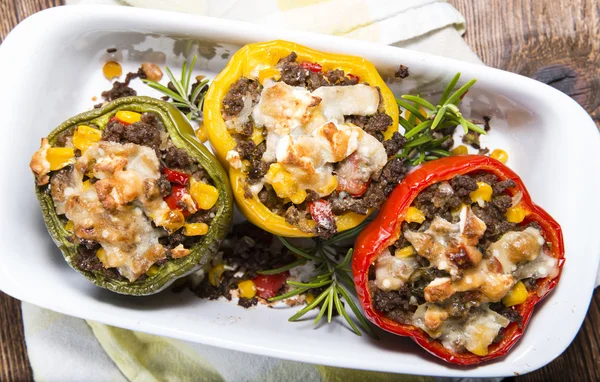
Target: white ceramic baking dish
x=51 y=65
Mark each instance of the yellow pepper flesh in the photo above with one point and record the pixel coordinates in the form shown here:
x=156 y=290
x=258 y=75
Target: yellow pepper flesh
x=261 y=57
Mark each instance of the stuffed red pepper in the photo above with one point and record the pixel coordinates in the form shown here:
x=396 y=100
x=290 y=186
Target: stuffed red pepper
x=457 y=258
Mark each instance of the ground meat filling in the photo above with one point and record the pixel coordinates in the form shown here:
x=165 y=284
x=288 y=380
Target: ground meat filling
x=247 y=91
x=150 y=132
x=246 y=250
x=405 y=278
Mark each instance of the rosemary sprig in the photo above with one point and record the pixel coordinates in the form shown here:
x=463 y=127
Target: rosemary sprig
x=332 y=281
x=188 y=100
x=425 y=139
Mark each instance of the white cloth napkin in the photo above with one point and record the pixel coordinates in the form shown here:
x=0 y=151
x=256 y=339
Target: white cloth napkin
x=63 y=348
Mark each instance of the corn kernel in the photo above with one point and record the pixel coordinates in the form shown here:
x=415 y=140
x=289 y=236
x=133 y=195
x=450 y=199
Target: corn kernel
x=460 y=150
x=70 y=226
x=173 y=220
x=101 y=255
x=309 y=298
x=204 y=195
x=112 y=69
x=330 y=187
x=201 y=133
x=405 y=252
x=153 y=271
x=247 y=289
x=128 y=116
x=500 y=155
x=483 y=193
x=284 y=184
x=517 y=295
x=60 y=157
x=195 y=229
x=257 y=136
x=85 y=136
x=515 y=214
x=268 y=73
x=214 y=275
x=414 y=215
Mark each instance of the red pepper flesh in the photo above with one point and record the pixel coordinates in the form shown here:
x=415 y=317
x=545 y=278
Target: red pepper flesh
x=177 y=193
x=353 y=77
x=386 y=228
x=321 y=213
x=312 y=66
x=176 y=176
x=267 y=286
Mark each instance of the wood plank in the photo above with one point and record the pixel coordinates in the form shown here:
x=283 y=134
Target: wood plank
x=556 y=42
x=14 y=362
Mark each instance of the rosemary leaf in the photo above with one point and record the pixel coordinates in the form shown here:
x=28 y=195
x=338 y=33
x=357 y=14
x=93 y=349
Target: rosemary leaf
x=330 y=304
x=341 y=310
x=423 y=102
x=455 y=98
x=309 y=284
x=283 y=268
x=412 y=109
x=419 y=141
x=404 y=123
x=438 y=117
x=361 y=318
x=289 y=294
x=420 y=127
x=449 y=88
x=297 y=251
x=310 y=306
x=322 y=310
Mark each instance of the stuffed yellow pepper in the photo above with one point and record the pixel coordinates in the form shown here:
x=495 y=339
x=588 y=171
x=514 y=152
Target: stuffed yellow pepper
x=306 y=137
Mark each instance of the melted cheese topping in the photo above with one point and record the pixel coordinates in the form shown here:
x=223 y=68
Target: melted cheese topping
x=307 y=132
x=113 y=211
x=475 y=334
x=452 y=247
x=392 y=273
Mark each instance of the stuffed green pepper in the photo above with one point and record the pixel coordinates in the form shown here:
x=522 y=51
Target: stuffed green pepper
x=130 y=197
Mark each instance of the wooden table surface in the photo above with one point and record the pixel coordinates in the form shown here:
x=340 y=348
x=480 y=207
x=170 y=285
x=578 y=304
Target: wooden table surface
x=553 y=41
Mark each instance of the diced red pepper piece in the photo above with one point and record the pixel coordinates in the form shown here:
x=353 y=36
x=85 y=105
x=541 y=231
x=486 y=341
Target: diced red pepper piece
x=267 y=286
x=176 y=176
x=177 y=193
x=312 y=66
x=321 y=213
x=353 y=77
